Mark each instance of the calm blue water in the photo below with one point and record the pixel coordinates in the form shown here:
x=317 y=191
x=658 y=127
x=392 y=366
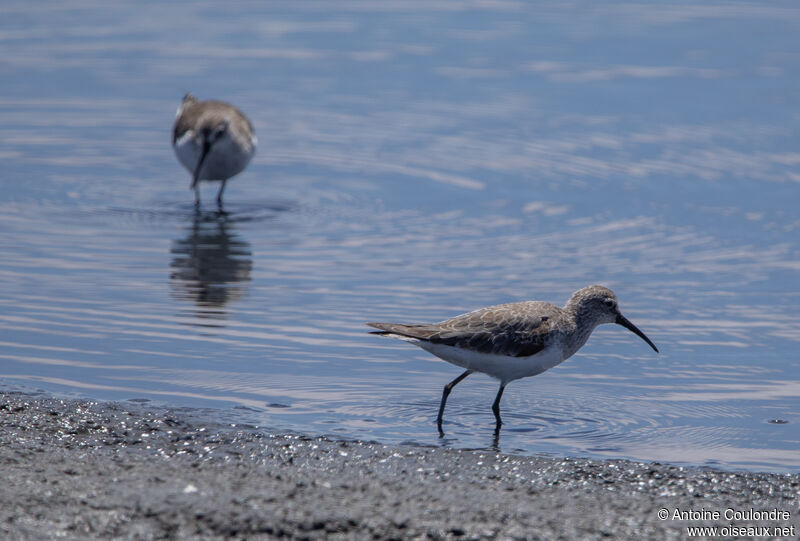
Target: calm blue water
x=416 y=160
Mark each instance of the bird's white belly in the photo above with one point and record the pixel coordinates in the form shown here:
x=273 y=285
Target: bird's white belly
x=225 y=158
x=188 y=150
x=503 y=367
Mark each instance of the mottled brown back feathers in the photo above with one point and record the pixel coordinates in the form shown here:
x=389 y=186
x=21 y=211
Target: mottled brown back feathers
x=517 y=329
x=207 y=113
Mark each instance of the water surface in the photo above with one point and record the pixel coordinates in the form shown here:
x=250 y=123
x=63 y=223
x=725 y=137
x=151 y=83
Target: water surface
x=415 y=161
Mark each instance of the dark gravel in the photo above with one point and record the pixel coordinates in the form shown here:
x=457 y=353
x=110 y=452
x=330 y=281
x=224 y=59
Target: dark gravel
x=86 y=470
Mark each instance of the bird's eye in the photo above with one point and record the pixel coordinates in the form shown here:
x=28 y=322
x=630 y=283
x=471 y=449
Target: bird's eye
x=611 y=303
x=217 y=132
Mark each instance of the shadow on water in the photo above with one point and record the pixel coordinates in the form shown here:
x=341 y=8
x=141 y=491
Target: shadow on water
x=233 y=213
x=211 y=265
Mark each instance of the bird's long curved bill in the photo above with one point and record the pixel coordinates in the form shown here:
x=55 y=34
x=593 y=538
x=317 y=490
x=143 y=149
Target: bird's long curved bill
x=622 y=320
x=203 y=154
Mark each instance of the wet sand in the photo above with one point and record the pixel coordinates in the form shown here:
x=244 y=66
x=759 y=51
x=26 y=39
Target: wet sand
x=88 y=470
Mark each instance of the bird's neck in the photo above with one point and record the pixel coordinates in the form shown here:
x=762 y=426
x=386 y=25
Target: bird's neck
x=581 y=328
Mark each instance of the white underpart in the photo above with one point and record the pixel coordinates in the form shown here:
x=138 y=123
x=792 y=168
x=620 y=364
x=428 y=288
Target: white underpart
x=226 y=157
x=502 y=367
x=187 y=150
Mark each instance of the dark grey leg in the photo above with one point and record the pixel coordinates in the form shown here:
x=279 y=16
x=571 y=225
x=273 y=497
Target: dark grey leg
x=219 y=194
x=445 y=394
x=496 y=440
x=496 y=406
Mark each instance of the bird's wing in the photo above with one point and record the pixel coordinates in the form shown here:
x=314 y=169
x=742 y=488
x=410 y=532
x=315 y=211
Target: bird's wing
x=517 y=329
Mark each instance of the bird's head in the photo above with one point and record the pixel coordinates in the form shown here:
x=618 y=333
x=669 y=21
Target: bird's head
x=598 y=305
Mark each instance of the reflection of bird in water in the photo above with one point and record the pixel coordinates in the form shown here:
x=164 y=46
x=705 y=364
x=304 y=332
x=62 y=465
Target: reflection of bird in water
x=211 y=265
x=213 y=140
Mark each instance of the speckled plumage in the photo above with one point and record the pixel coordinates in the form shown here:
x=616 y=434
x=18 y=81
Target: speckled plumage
x=193 y=113
x=515 y=340
x=517 y=329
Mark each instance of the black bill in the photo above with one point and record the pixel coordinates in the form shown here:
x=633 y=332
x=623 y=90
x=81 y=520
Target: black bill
x=622 y=320
x=203 y=154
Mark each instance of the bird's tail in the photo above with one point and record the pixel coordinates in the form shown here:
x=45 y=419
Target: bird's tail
x=420 y=332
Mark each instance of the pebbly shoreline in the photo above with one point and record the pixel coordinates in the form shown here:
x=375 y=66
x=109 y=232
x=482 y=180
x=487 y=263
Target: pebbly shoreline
x=87 y=470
